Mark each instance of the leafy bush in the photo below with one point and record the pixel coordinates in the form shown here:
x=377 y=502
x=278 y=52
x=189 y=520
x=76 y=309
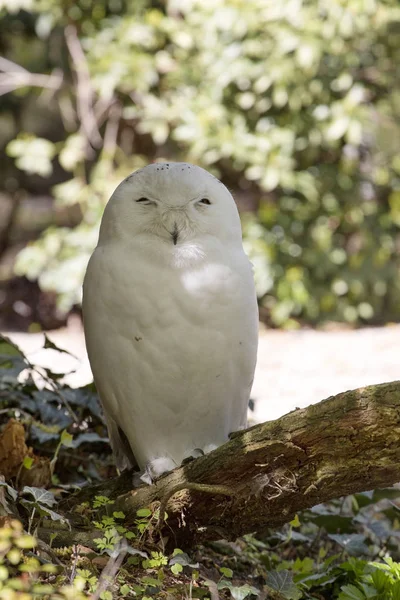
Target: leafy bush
x=294 y=104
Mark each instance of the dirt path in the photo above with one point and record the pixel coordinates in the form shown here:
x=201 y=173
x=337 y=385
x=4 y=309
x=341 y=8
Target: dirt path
x=295 y=368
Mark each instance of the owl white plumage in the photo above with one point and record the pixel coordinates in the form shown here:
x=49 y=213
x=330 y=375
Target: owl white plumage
x=170 y=317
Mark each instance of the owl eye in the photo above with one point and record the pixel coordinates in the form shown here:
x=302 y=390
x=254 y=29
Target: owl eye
x=145 y=201
x=204 y=201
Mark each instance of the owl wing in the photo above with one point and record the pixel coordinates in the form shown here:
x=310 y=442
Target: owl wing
x=124 y=457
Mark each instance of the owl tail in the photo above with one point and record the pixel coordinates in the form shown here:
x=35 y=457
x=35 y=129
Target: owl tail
x=124 y=458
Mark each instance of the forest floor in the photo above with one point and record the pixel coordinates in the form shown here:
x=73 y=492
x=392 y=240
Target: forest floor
x=295 y=368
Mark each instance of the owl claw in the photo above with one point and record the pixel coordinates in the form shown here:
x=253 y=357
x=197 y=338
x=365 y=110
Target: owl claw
x=146 y=477
x=137 y=479
x=154 y=470
x=196 y=453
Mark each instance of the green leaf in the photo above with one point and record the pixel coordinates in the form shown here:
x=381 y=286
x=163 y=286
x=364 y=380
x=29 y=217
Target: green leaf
x=282 y=582
x=27 y=462
x=176 y=569
x=66 y=439
x=146 y=580
x=73 y=152
x=44 y=511
x=10 y=490
x=396 y=590
x=40 y=495
x=33 y=155
x=8 y=348
x=125 y=590
x=91 y=437
x=226 y=572
x=295 y=522
x=101 y=501
x=381 y=581
x=354 y=543
x=12 y=360
x=350 y=592
x=118 y=515
x=135 y=551
x=238 y=592
x=26 y=542
x=183 y=559
x=144 y=512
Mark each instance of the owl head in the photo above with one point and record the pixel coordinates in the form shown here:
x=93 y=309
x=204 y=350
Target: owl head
x=171 y=204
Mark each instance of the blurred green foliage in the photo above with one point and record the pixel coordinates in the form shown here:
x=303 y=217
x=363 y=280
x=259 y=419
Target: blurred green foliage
x=294 y=104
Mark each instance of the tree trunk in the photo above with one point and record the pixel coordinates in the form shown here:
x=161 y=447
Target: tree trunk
x=263 y=476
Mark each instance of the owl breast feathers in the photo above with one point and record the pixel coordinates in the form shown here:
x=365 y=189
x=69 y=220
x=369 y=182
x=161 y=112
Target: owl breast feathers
x=170 y=317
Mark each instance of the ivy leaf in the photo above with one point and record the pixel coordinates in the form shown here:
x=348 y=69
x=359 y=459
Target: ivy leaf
x=238 y=592
x=282 y=582
x=125 y=590
x=353 y=543
x=38 y=433
x=12 y=360
x=144 y=512
x=134 y=551
x=88 y=438
x=10 y=490
x=226 y=572
x=176 y=569
x=44 y=511
x=54 y=516
x=183 y=559
x=40 y=495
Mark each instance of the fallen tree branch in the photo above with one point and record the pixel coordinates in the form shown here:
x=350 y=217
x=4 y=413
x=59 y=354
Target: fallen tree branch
x=346 y=444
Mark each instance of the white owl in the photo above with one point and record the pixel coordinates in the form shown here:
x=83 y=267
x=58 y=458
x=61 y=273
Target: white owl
x=170 y=317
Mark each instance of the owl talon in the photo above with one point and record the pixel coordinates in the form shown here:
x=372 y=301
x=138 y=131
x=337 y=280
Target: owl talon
x=137 y=480
x=146 y=476
x=196 y=453
x=155 y=469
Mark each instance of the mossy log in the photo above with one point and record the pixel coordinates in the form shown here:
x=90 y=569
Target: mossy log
x=263 y=476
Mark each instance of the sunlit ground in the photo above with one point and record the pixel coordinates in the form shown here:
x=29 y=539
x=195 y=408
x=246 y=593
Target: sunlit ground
x=295 y=368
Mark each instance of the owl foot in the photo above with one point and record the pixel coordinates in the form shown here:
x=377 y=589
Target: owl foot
x=137 y=480
x=209 y=448
x=196 y=453
x=155 y=469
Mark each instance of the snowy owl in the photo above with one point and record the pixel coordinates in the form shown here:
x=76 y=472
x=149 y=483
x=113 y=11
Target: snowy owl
x=170 y=317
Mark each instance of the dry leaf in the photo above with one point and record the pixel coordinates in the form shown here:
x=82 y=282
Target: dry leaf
x=39 y=475
x=13 y=448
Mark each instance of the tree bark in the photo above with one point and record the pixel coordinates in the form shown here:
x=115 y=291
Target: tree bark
x=263 y=476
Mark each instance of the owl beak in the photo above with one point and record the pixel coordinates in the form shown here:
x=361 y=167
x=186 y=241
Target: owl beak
x=175 y=234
